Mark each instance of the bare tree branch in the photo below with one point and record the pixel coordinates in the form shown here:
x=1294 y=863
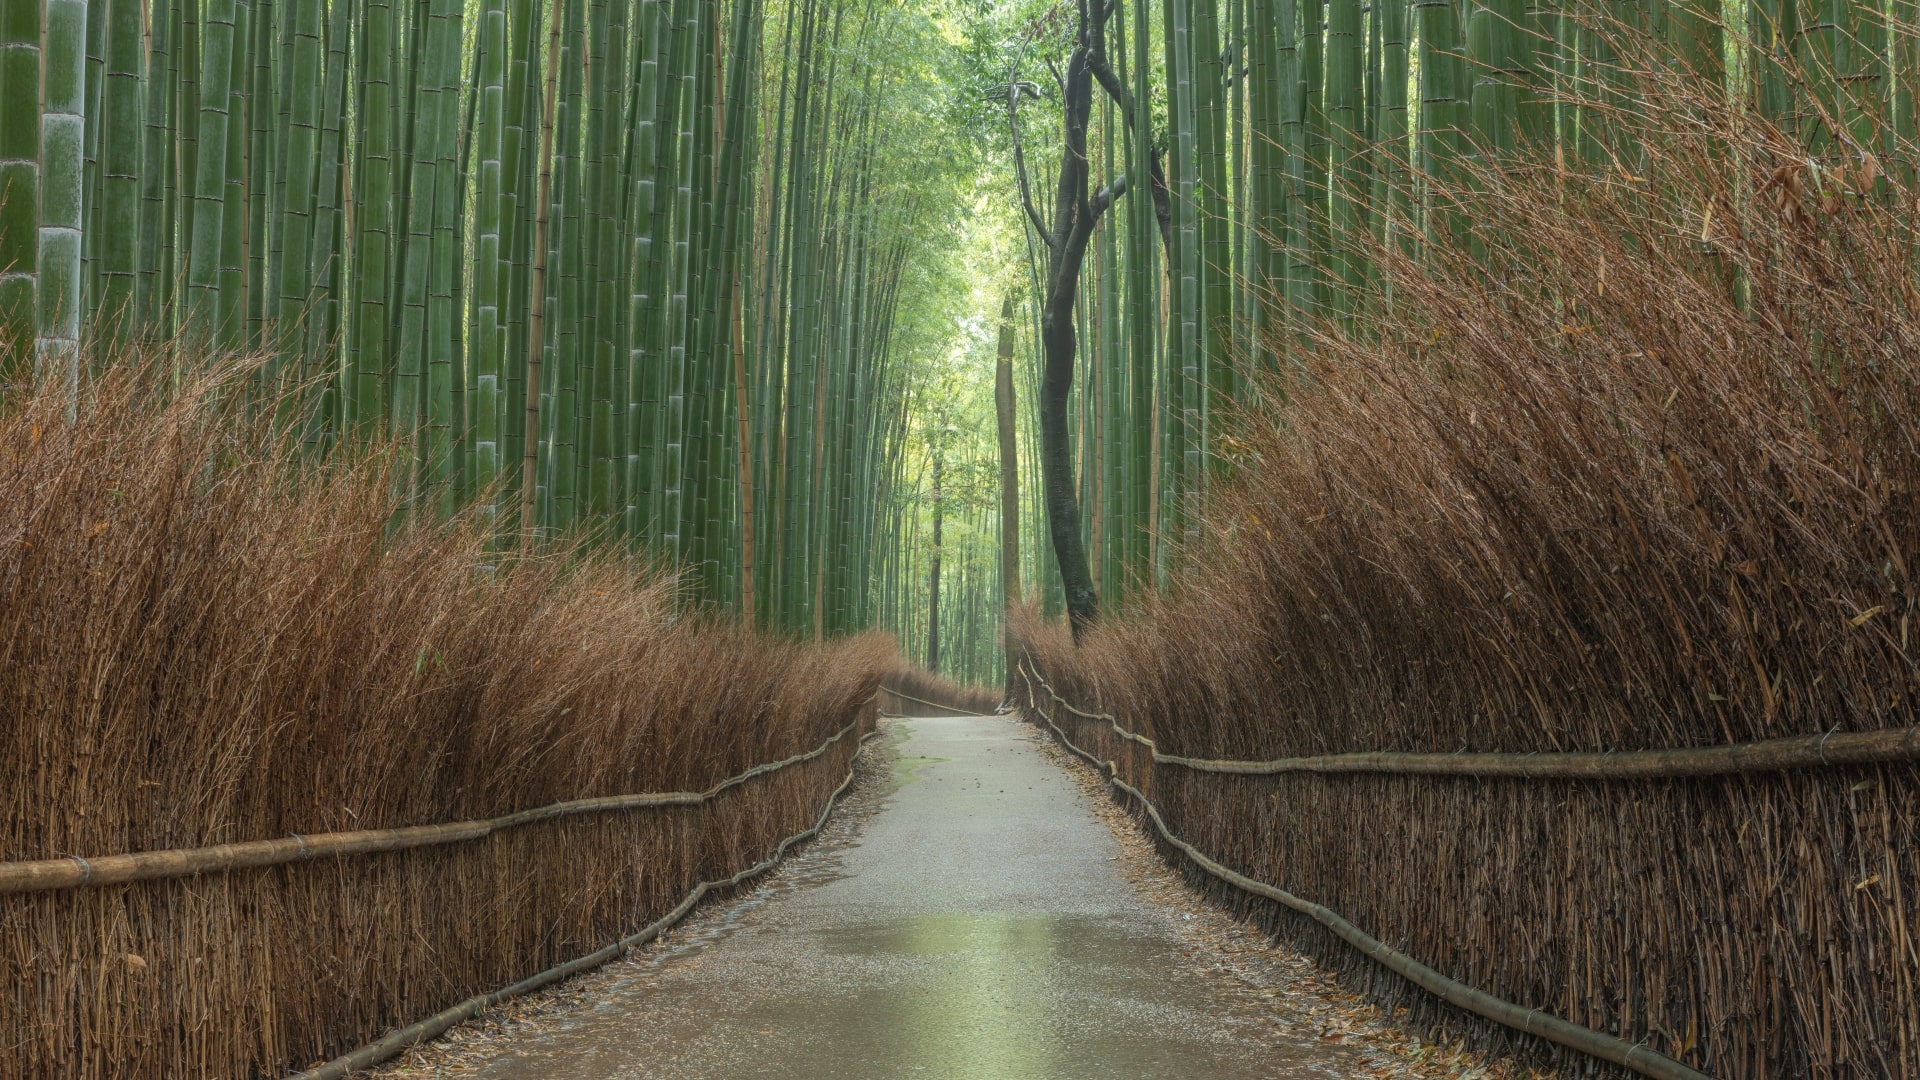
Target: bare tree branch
x=1122 y=97
x=1117 y=90
x=1106 y=195
x=1014 y=89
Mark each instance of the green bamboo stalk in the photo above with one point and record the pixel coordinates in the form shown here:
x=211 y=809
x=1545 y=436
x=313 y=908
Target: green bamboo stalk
x=157 y=195
x=1444 y=114
x=123 y=110
x=1772 y=25
x=560 y=385
x=444 y=377
x=1533 y=30
x=410 y=239
x=1349 y=179
x=1313 y=244
x=207 y=201
x=328 y=277
x=518 y=183
x=20 y=36
x=230 y=298
x=701 y=358
x=91 y=179
x=1113 y=366
x=1904 y=61
x=368 y=395
x=730 y=208
x=294 y=218
x=62 y=174
x=1184 y=399
x=1143 y=297
x=644 y=193
x=1214 y=267
x=1245 y=278
x=537 y=276
x=676 y=505
x=1394 y=184
x=488 y=335
x=263 y=116
x=1860 y=69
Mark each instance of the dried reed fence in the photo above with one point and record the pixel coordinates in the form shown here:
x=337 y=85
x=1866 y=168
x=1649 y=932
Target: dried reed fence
x=1647 y=481
x=913 y=691
x=1046 y=705
x=201 y=645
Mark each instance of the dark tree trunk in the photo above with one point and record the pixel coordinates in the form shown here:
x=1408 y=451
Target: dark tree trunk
x=1057 y=343
x=1074 y=215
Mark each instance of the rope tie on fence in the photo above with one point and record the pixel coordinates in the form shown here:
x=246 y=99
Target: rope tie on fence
x=86 y=869
x=1533 y=1021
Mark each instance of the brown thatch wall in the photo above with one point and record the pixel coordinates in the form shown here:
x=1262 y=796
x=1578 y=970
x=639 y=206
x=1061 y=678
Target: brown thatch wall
x=257 y=972
x=1750 y=926
x=912 y=691
x=1632 y=464
x=200 y=646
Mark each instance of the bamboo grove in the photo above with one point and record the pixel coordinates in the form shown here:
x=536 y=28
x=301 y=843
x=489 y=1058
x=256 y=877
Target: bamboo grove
x=1291 y=145
x=618 y=268
x=709 y=235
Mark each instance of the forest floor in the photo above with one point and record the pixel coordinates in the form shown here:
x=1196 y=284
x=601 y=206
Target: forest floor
x=978 y=909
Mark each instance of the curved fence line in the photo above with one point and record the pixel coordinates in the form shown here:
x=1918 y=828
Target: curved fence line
x=397 y=1042
x=73 y=871
x=1768 y=755
x=1628 y=1055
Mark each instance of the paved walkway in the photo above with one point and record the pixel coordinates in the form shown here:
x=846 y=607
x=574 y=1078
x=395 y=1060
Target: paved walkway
x=976 y=927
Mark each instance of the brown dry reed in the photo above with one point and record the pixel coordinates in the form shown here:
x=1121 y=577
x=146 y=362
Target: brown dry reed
x=1640 y=473
x=202 y=641
x=914 y=691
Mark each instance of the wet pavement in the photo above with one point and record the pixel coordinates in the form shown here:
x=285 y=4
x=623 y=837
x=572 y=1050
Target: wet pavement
x=976 y=926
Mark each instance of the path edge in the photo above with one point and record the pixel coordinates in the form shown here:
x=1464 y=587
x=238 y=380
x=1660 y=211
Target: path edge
x=397 y=1042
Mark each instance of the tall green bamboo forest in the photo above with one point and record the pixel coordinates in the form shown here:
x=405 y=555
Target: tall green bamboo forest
x=638 y=271
x=1472 y=446
x=723 y=281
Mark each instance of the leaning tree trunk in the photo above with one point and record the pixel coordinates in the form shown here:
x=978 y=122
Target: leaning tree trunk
x=1058 y=487
x=1075 y=213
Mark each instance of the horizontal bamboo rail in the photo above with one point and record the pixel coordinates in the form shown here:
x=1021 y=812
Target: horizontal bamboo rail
x=73 y=871
x=1768 y=755
x=1631 y=1056
x=397 y=1042
x=955 y=709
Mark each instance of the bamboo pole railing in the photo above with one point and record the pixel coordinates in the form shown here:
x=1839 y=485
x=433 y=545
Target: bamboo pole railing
x=74 y=871
x=1768 y=755
x=397 y=1042
x=1631 y=1056
x=954 y=709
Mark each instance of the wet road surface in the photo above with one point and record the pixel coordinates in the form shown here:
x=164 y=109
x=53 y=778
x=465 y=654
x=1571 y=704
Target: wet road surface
x=975 y=927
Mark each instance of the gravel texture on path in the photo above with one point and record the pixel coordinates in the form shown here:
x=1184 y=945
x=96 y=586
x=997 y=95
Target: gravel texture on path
x=978 y=909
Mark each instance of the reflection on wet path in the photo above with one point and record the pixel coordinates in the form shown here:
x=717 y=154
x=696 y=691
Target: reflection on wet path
x=975 y=927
